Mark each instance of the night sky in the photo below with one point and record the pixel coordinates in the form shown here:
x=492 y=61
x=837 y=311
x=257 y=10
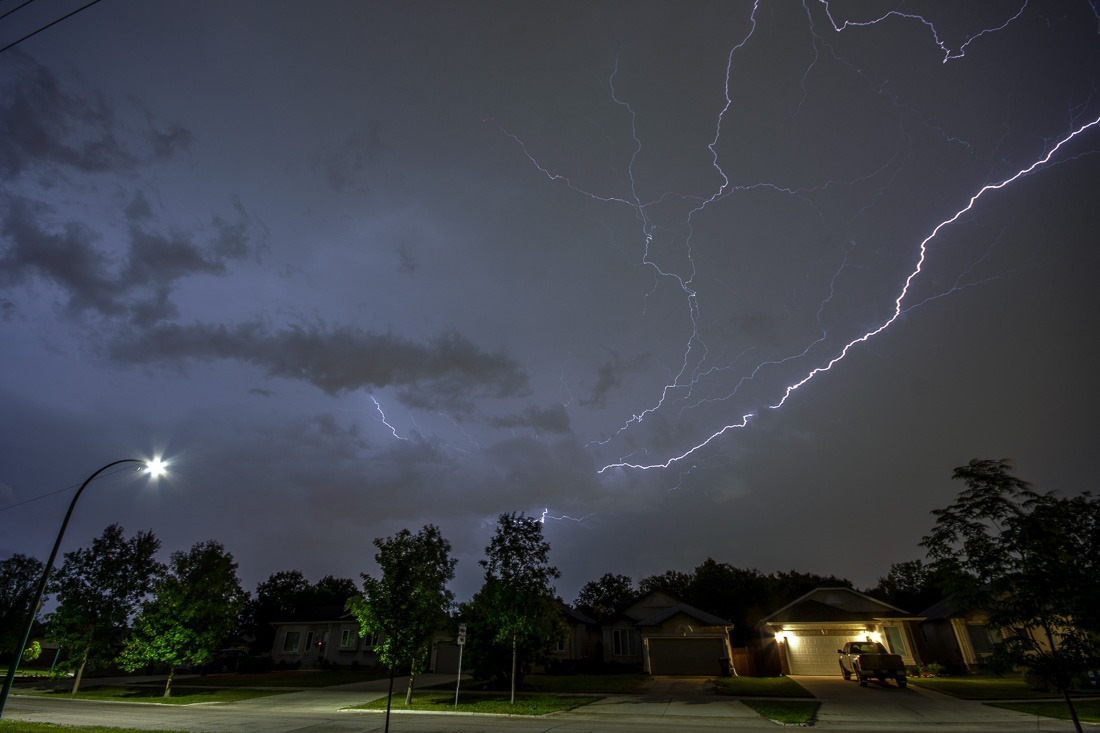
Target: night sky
x=354 y=267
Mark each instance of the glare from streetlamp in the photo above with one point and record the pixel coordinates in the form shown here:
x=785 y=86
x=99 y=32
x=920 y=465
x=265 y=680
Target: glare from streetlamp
x=156 y=467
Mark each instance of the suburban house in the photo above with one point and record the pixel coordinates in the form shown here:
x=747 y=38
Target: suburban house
x=581 y=646
x=321 y=636
x=809 y=630
x=663 y=635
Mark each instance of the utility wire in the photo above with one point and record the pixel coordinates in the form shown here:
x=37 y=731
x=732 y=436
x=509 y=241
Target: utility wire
x=48 y=25
x=25 y=4
x=60 y=491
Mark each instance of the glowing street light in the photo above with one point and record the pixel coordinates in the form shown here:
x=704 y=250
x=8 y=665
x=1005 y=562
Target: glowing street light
x=154 y=467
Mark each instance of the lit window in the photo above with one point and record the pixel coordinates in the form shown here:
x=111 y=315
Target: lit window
x=290 y=642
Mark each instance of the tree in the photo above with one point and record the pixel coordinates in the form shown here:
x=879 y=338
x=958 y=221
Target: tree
x=1029 y=559
x=517 y=593
x=607 y=596
x=19 y=578
x=673 y=582
x=97 y=590
x=284 y=595
x=195 y=607
x=410 y=602
x=912 y=585
x=279 y=598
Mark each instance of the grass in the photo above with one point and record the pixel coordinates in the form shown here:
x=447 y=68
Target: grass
x=760 y=687
x=18 y=726
x=482 y=703
x=1087 y=710
x=155 y=694
x=788 y=712
x=982 y=687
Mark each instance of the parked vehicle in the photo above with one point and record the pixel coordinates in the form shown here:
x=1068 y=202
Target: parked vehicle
x=866 y=659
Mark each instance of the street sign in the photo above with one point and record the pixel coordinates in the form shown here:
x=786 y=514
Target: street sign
x=461 y=639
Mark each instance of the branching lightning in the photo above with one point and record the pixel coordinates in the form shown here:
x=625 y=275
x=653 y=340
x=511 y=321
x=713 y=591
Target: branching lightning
x=687 y=374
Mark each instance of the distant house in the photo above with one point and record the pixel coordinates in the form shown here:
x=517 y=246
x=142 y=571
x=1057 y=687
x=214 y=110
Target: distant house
x=581 y=646
x=809 y=630
x=662 y=635
x=959 y=639
x=322 y=636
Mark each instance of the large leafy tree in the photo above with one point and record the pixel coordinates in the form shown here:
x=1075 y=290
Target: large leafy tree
x=284 y=595
x=98 y=589
x=410 y=601
x=195 y=607
x=912 y=585
x=605 y=597
x=1030 y=559
x=19 y=578
x=518 y=596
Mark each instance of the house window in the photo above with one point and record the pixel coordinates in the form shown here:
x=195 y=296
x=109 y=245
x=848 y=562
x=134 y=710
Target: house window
x=982 y=638
x=370 y=641
x=895 y=639
x=309 y=642
x=560 y=647
x=624 y=642
x=290 y=641
x=347 y=638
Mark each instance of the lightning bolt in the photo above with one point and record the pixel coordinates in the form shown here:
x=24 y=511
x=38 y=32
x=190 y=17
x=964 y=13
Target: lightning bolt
x=690 y=370
x=948 y=54
x=898 y=306
x=380 y=412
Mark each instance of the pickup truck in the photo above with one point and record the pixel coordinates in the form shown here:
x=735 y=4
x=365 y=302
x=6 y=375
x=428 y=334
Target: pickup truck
x=866 y=659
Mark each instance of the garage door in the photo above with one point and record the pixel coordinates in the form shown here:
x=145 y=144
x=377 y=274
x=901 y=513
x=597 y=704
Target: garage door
x=816 y=655
x=686 y=655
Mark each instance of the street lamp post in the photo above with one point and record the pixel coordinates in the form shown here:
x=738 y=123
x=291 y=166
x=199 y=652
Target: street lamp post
x=155 y=467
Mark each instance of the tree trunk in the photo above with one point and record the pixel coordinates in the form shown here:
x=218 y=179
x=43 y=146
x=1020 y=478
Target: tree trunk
x=79 y=673
x=1061 y=678
x=389 y=700
x=409 y=692
x=515 y=654
x=168 y=684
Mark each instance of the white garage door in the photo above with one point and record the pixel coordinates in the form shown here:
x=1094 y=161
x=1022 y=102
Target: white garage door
x=816 y=655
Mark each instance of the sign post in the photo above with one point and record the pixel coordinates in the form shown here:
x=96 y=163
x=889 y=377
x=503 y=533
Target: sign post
x=461 y=643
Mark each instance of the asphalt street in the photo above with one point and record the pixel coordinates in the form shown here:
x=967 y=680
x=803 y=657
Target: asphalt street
x=673 y=706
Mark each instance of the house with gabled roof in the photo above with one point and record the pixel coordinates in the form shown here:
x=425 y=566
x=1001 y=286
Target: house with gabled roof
x=662 y=635
x=809 y=630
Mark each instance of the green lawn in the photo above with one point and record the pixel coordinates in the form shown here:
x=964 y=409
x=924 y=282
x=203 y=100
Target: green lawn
x=982 y=687
x=151 y=693
x=481 y=702
x=1087 y=710
x=760 y=687
x=788 y=712
x=18 y=726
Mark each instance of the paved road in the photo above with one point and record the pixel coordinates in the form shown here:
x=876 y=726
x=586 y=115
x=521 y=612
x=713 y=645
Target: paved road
x=672 y=706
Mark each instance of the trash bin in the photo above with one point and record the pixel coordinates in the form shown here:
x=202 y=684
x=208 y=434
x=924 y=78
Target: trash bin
x=724 y=666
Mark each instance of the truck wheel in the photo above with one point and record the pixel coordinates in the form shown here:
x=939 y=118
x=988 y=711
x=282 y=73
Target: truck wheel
x=846 y=673
x=862 y=681
x=902 y=682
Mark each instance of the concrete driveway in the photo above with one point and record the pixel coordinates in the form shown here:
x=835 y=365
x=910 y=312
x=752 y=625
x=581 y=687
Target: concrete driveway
x=846 y=704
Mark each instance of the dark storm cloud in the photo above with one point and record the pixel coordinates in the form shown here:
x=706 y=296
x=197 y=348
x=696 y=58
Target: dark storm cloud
x=553 y=419
x=449 y=370
x=610 y=376
x=344 y=166
x=47 y=121
x=73 y=257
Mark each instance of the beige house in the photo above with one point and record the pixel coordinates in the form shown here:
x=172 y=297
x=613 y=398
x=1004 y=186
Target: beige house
x=663 y=635
x=809 y=630
x=320 y=637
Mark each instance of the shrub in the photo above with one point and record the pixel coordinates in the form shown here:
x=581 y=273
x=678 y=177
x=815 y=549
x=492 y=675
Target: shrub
x=933 y=670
